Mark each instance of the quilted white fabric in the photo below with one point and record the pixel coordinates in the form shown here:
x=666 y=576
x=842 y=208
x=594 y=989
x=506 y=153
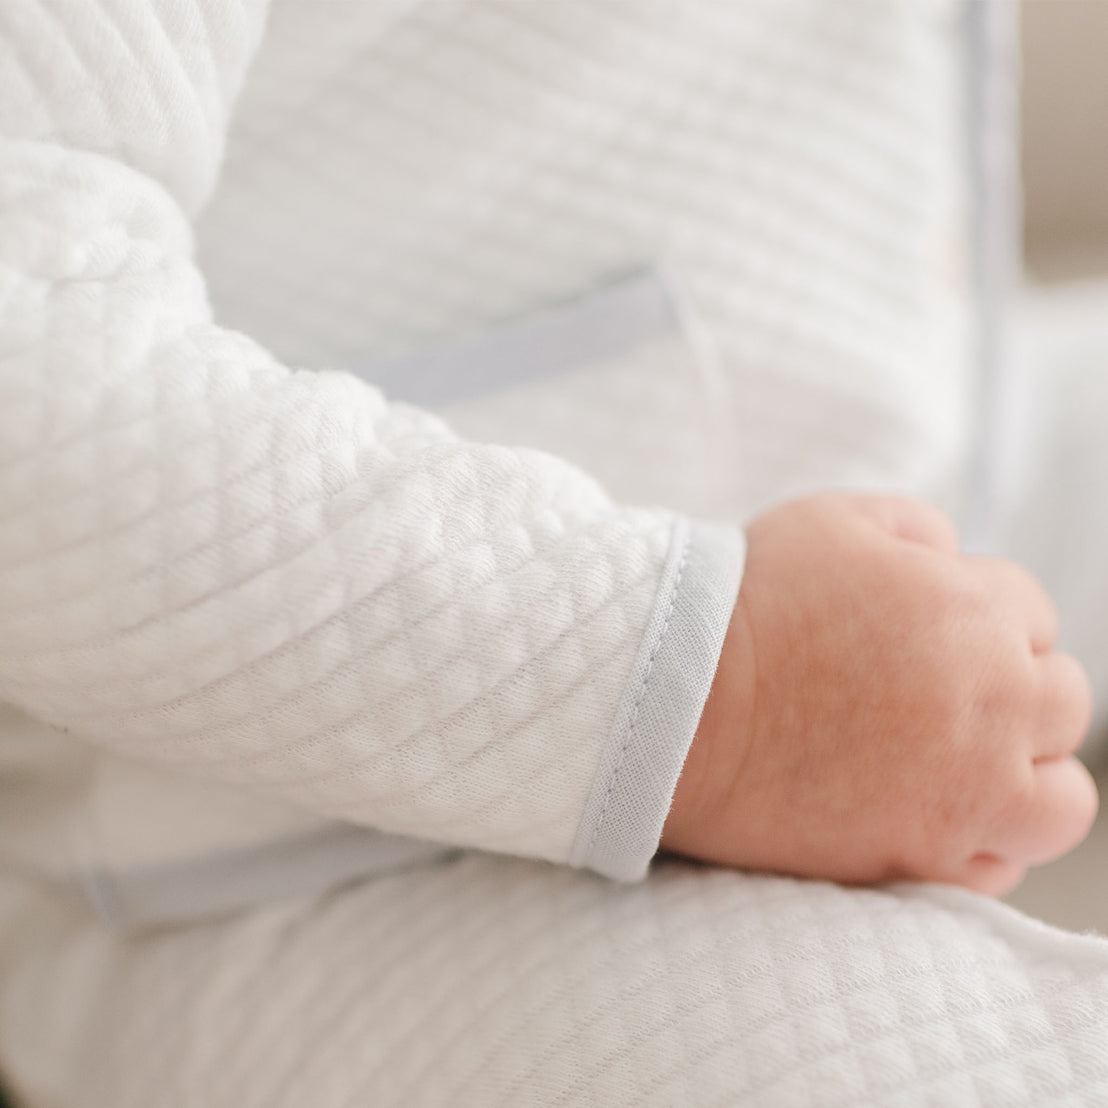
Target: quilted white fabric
x=489 y=982
x=794 y=168
x=273 y=577
x=279 y=580
x=270 y=594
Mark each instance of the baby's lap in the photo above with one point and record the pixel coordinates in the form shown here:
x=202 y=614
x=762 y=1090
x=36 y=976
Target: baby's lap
x=486 y=981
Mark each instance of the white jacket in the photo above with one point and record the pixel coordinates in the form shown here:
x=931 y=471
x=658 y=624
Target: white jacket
x=260 y=608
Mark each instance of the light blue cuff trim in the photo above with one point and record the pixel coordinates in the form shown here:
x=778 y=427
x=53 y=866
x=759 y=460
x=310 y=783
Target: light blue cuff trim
x=604 y=323
x=663 y=702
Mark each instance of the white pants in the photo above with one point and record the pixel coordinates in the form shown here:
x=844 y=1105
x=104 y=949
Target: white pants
x=488 y=981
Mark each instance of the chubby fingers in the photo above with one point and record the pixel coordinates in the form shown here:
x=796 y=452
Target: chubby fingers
x=989 y=874
x=1054 y=809
x=1017 y=598
x=1055 y=814
x=1063 y=706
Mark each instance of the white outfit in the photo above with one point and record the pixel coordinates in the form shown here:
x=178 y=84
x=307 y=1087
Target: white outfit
x=266 y=614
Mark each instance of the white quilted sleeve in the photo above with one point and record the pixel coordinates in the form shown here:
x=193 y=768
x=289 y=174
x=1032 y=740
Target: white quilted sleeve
x=274 y=577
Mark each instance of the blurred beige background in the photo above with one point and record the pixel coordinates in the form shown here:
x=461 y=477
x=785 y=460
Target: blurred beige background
x=1064 y=151
x=1065 y=127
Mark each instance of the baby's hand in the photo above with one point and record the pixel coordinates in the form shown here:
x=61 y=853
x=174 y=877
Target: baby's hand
x=885 y=707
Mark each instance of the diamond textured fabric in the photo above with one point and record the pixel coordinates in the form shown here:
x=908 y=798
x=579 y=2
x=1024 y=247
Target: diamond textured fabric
x=487 y=981
x=272 y=577
x=456 y=623
x=276 y=578
x=435 y=168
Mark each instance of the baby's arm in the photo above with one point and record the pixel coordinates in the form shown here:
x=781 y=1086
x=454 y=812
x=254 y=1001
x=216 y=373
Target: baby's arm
x=276 y=578
x=885 y=707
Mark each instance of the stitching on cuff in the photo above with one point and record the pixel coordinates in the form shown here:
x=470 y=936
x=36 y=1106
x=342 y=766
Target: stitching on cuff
x=639 y=700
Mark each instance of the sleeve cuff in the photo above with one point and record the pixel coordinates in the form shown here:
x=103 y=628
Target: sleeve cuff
x=661 y=708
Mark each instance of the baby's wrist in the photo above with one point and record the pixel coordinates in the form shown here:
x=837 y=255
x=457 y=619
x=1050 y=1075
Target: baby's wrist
x=714 y=761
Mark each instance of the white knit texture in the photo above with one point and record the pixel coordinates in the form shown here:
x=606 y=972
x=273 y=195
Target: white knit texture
x=433 y=168
x=217 y=566
x=260 y=575
x=495 y=983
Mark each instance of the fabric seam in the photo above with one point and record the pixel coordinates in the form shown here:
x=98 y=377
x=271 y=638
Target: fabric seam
x=633 y=724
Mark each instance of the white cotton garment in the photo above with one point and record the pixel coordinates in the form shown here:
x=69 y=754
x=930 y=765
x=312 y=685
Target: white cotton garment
x=275 y=579
x=264 y=601
x=237 y=577
x=487 y=982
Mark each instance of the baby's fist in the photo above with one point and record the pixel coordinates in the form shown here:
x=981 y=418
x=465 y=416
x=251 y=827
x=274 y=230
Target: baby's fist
x=885 y=707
